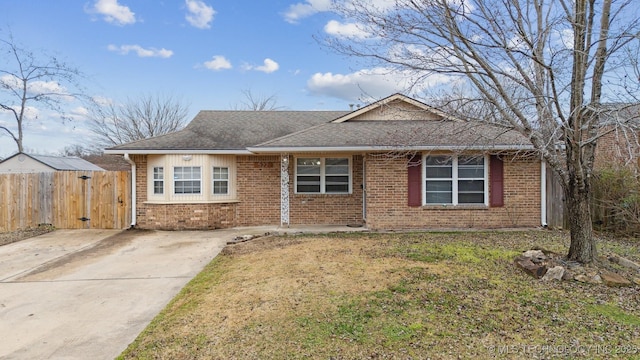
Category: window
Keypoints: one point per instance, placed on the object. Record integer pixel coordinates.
(323, 175)
(158, 180)
(186, 179)
(220, 180)
(455, 180)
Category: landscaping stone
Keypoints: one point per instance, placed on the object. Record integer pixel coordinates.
(536, 256)
(624, 262)
(568, 275)
(529, 267)
(614, 280)
(547, 266)
(555, 273)
(582, 278)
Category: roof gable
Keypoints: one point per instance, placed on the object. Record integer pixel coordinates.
(396, 107)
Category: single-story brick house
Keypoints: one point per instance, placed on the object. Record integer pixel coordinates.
(395, 164)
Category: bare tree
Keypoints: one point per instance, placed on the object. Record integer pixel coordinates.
(540, 65)
(256, 102)
(80, 151)
(30, 81)
(136, 119)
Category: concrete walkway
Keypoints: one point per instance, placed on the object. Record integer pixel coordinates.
(87, 294)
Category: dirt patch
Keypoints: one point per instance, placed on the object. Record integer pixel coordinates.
(69, 262)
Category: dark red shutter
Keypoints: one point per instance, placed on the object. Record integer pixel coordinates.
(496, 182)
(414, 171)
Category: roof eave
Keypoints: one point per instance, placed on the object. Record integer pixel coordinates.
(178, 151)
(292, 149)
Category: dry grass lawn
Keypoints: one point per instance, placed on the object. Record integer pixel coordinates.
(392, 296)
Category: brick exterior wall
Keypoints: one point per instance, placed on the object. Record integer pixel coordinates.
(258, 190)
(618, 149)
(387, 200)
(328, 209)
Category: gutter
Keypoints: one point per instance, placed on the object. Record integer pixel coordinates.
(543, 193)
(267, 150)
(170, 151)
(133, 189)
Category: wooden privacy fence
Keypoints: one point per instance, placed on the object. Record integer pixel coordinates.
(556, 208)
(66, 200)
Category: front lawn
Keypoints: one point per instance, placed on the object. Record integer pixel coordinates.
(393, 296)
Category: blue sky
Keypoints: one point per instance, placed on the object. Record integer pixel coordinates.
(203, 52)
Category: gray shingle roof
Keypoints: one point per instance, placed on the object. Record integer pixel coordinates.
(232, 130)
(406, 133)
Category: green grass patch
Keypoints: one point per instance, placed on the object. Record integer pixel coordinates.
(417, 295)
(615, 313)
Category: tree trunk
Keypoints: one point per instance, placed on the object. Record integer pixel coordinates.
(583, 246)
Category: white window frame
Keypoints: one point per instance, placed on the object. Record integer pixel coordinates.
(323, 175)
(454, 180)
(214, 181)
(199, 179)
(158, 180)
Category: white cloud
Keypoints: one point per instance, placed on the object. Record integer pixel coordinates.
(566, 38)
(369, 84)
(140, 51)
(267, 67)
(33, 87)
(101, 100)
(114, 12)
(50, 87)
(302, 10)
(218, 62)
(200, 14)
(346, 30)
(9, 81)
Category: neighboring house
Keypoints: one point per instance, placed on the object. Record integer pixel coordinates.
(109, 162)
(395, 164)
(619, 145)
(25, 163)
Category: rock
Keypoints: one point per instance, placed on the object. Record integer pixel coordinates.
(588, 279)
(528, 266)
(247, 237)
(624, 262)
(568, 275)
(614, 280)
(581, 278)
(536, 256)
(555, 273)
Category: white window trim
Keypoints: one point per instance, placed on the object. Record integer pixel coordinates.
(454, 180)
(323, 175)
(153, 182)
(173, 182)
(213, 180)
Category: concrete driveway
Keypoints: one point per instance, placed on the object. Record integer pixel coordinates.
(87, 294)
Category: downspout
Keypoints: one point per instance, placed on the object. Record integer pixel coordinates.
(133, 189)
(543, 193)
